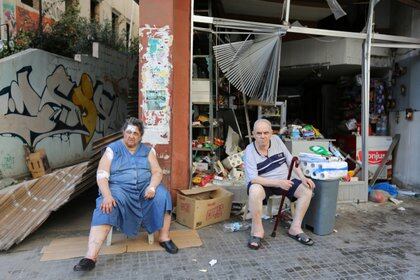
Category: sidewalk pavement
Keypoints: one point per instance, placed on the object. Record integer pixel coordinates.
(372, 242)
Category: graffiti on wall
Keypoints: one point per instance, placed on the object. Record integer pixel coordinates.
(9, 17)
(63, 107)
(155, 78)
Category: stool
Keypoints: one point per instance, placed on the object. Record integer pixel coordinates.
(150, 238)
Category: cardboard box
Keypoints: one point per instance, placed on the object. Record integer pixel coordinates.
(38, 164)
(200, 207)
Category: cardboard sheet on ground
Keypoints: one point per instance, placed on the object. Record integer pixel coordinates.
(67, 248)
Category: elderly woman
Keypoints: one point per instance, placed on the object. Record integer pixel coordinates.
(131, 194)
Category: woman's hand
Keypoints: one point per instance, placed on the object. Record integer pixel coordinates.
(107, 204)
(149, 193)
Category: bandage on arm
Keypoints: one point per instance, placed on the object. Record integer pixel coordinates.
(102, 174)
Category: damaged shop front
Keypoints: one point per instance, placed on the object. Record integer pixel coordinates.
(326, 91)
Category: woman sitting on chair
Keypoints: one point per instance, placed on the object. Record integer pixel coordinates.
(131, 194)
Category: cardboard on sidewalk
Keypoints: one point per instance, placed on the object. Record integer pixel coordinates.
(200, 207)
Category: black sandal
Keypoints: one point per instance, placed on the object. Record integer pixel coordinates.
(84, 264)
(256, 240)
(169, 246)
(302, 238)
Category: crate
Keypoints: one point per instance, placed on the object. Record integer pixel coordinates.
(352, 192)
(38, 164)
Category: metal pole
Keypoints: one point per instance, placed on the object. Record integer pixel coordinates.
(287, 12)
(367, 45)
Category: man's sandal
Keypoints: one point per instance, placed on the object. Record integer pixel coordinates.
(302, 238)
(84, 264)
(256, 240)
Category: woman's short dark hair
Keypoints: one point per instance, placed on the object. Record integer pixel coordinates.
(135, 122)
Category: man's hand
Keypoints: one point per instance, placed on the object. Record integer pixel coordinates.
(308, 183)
(286, 184)
(149, 193)
(107, 204)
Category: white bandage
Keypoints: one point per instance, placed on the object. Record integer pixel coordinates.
(102, 174)
(109, 154)
(131, 128)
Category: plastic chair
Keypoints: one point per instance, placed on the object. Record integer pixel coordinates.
(150, 238)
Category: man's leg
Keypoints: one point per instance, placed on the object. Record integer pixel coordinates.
(303, 195)
(97, 237)
(256, 197)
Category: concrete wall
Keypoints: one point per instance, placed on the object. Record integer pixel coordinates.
(406, 161)
(52, 102)
(335, 51)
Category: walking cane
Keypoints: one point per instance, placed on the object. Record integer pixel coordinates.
(295, 162)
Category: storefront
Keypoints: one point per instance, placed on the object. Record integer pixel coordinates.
(222, 110)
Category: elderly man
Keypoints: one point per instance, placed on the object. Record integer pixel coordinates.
(266, 170)
(131, 194)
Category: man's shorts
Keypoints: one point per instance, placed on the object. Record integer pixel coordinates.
(269, 191)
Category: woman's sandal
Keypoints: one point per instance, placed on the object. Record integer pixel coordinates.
(84, 264)
(256, 240)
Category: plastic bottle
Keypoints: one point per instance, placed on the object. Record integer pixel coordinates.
(236, 226)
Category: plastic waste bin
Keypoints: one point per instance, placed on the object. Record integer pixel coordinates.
(320, 216)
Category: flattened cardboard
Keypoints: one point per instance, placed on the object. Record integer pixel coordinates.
(200, 207)
(73, 247)
(182, 238)
(67, 248)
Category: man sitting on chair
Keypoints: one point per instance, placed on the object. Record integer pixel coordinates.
(131, 194)
(266, 162)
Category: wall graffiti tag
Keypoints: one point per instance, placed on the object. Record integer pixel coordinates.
(63, 107)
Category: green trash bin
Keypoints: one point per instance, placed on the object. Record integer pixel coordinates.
(320, 216)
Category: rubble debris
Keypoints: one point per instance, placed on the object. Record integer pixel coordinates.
(27, 205)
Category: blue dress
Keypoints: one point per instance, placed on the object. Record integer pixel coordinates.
(129, 177)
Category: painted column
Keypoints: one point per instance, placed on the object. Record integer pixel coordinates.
(164, 72)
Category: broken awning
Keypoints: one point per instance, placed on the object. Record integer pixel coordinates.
(25, 206)
(252, 65)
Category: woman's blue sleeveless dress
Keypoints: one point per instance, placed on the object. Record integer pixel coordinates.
(129, 177)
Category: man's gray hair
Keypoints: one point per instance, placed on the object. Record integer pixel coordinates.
(262, 121)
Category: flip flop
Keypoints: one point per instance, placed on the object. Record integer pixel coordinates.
(254, 239)
(302, 238)
(169, 246)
